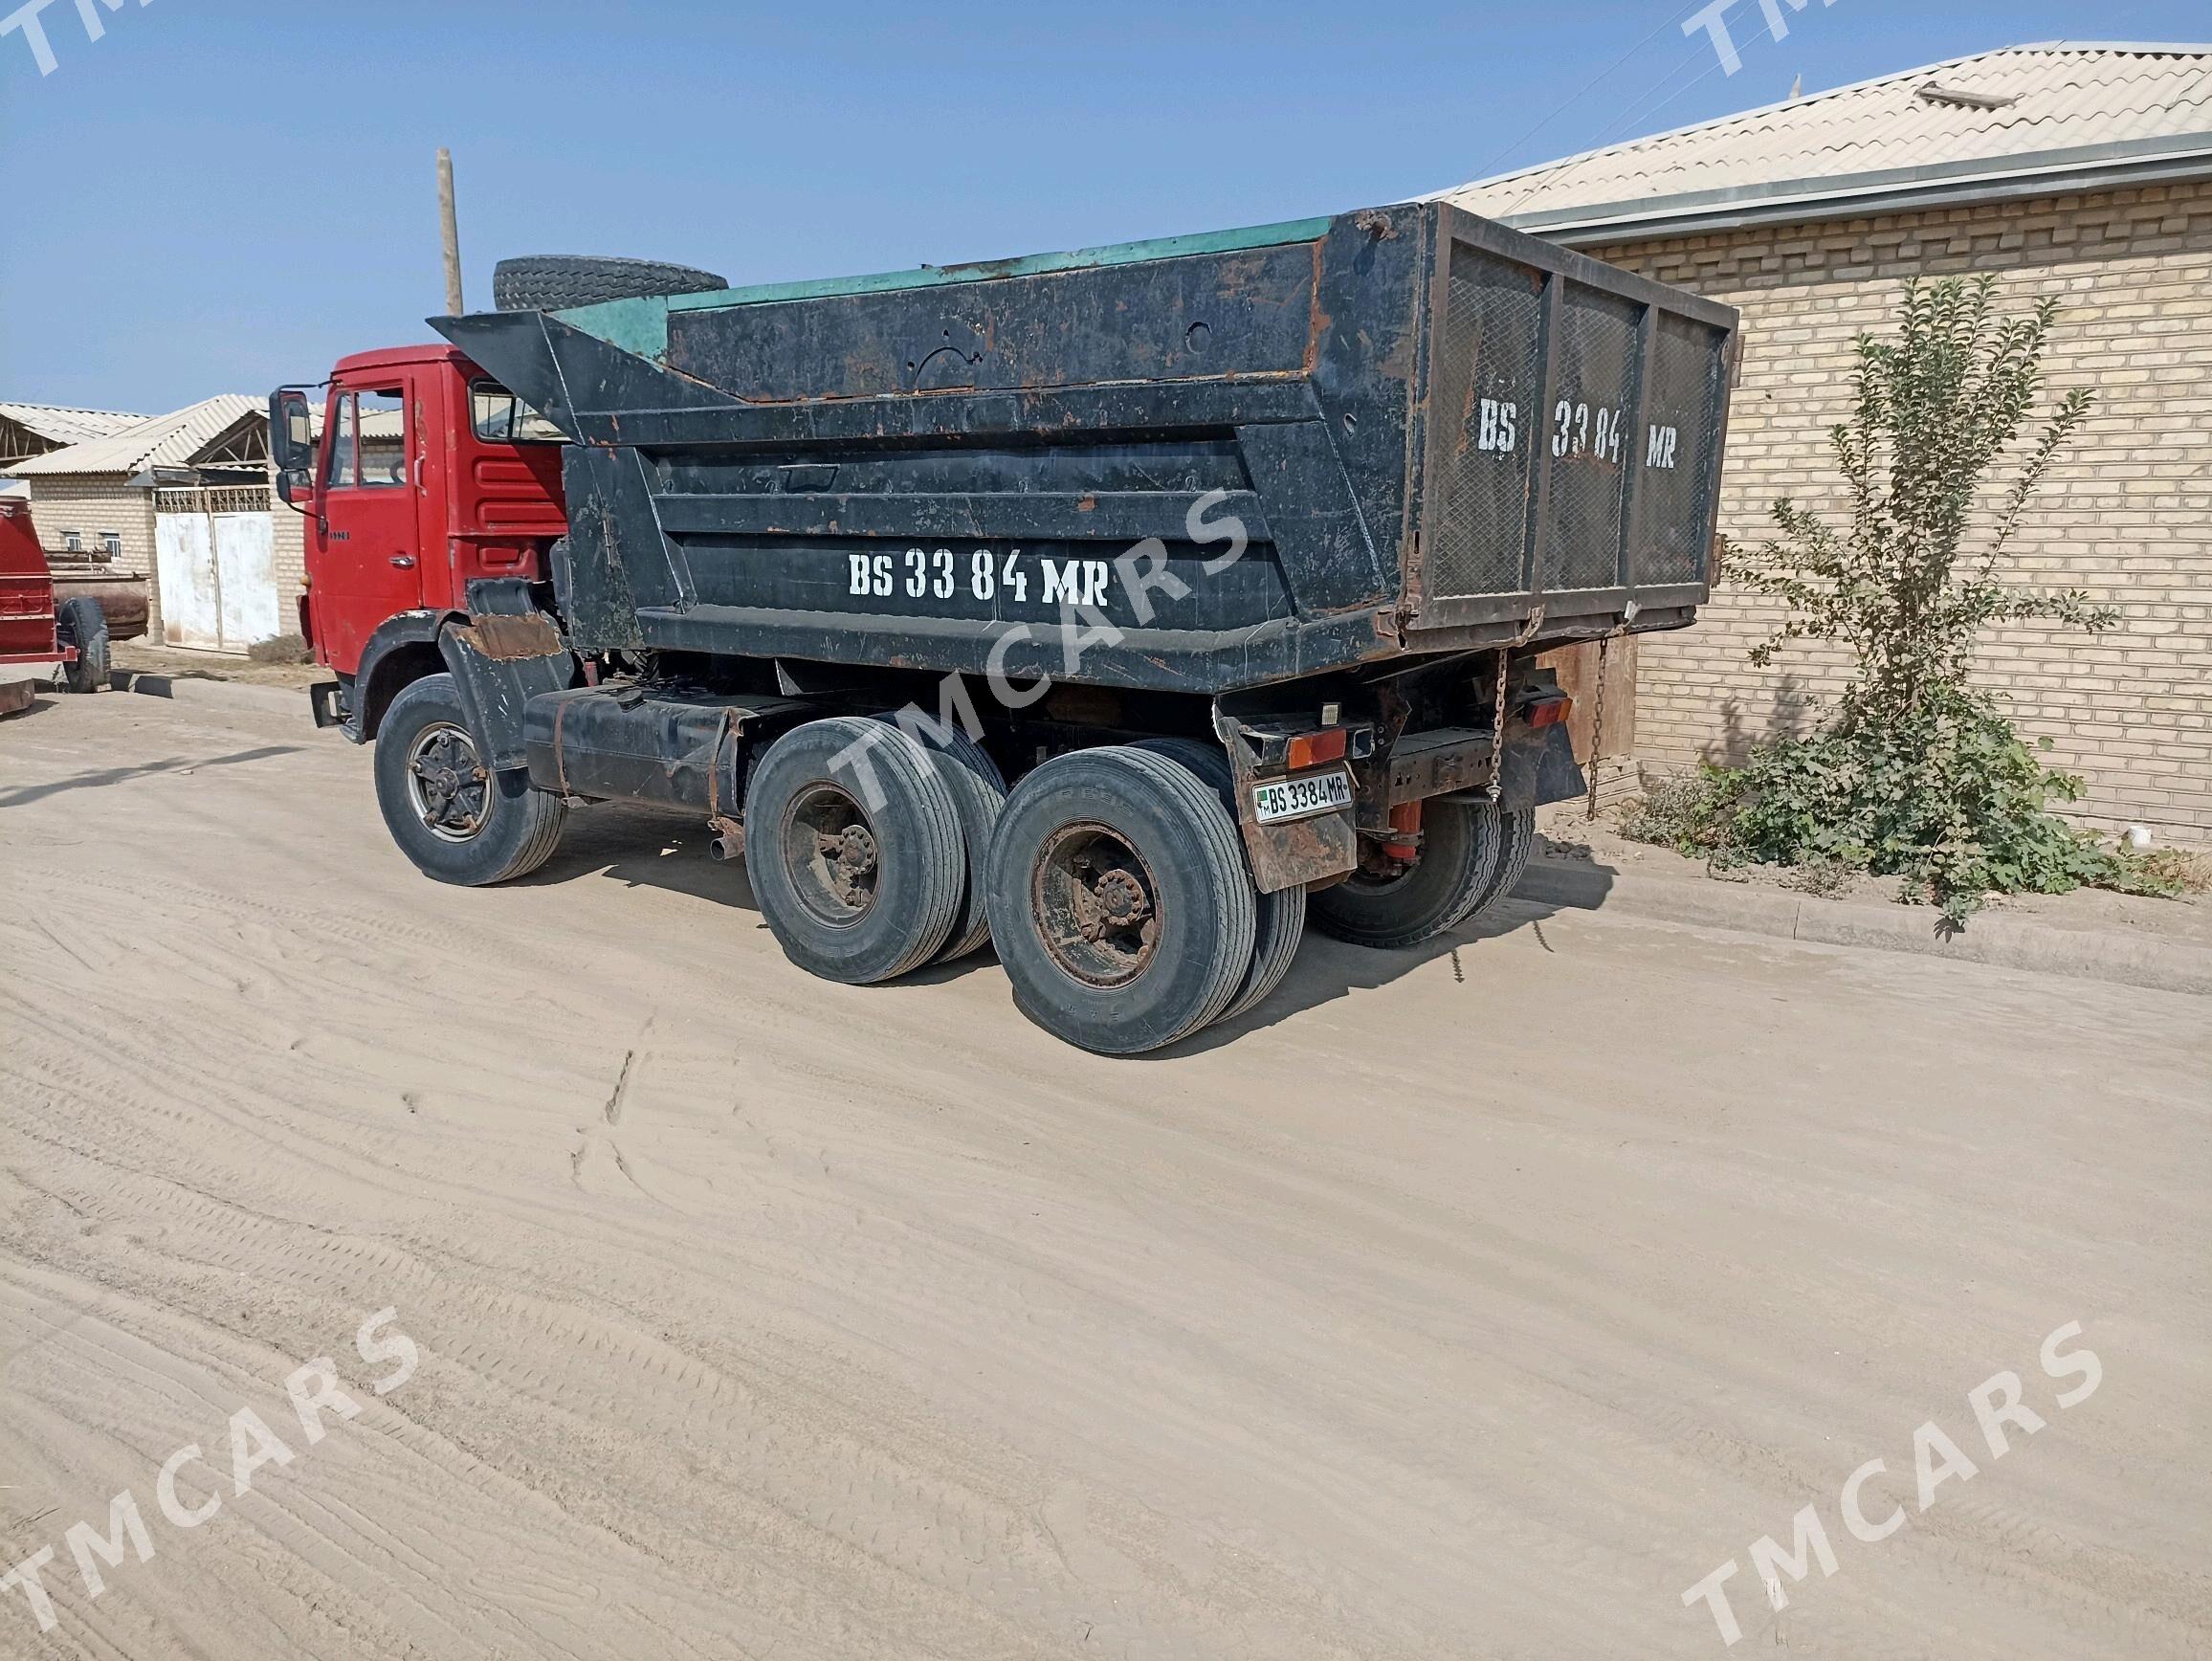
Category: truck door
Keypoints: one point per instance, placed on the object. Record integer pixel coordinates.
(369, 563)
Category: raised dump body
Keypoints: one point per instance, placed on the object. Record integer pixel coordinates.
(1435, 433)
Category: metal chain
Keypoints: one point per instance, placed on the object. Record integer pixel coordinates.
(1597, 716)
(1496, 785)
(1597, 725)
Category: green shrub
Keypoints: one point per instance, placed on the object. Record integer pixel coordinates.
(1686, 812)
(1952, 801)
(1917, 773)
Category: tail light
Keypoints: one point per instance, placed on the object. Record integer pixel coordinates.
(1548, 711)
(1315, 750)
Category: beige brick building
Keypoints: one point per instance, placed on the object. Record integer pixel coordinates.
(2084, 173)
(195, 482)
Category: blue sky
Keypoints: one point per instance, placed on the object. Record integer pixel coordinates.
(219, 195)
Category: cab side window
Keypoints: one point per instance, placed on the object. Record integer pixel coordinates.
(502, 418)
(382, 438)
(341, 469)
(366, 447)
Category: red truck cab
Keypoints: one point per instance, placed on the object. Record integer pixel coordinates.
(422, 476)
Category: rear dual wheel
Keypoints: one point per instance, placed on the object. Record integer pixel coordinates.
(855, 844)
(1278, 918)
(1119, 900)
(1471, 854)
(1113, 879)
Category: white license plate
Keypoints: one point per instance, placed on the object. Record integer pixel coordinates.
(1301, 798)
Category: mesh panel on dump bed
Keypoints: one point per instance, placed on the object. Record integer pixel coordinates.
(1682, 415)
(1487, 380)
(1581, 536)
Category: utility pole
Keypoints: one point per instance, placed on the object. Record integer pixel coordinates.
(451, 225)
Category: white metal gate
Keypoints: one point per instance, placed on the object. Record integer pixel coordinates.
(215, 552)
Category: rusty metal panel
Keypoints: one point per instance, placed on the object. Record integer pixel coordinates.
(1485, 378)
(909, 474)
(1682, 433)
(506, 639)
(1591, 455)
(1577, 669)
(1435, 762)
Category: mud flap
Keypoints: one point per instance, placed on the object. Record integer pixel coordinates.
(506, 654)
(1539, 769)
(1286, 853)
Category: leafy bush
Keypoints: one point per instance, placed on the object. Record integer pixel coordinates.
(1686, 812)
(1950, 800)
(1917, 773)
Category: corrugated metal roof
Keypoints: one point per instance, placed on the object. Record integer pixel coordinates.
(170, 440)
(59, 424)
(2049, 106)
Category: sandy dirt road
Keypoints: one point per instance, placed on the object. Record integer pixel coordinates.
(1464, 1304)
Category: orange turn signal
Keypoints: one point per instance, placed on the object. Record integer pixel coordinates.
(1550, 712)
(1312, 749)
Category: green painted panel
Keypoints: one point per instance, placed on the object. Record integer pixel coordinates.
(641, 325)
(634, 326)
(1030, 265)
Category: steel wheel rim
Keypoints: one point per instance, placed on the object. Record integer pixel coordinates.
(1096, 906)
(831, 856)
(447, 784)
(1363, 881)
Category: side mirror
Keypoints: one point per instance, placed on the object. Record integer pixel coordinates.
(290, 441)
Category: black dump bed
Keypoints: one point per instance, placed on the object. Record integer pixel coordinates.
(1431, 429)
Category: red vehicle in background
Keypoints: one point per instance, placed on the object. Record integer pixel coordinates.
(35, 634)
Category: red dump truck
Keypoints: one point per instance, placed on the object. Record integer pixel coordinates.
(1128, 609)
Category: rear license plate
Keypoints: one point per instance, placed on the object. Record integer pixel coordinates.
(1301, 798)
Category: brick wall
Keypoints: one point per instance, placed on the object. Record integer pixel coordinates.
(91, 506)
(2127, 514)
(289, 557)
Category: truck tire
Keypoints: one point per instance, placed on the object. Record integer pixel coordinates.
(853, 841)
(1516, 830)
(1278, 918)
(979, 793)
(457, 822)
(1458, 858)
(558, 281)
(1134, 848)
(79, 622)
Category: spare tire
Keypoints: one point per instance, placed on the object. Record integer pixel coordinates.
(557, 281)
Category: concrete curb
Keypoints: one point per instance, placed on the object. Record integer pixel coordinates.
(2003, 942)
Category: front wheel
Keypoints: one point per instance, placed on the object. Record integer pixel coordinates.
(450, 814)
